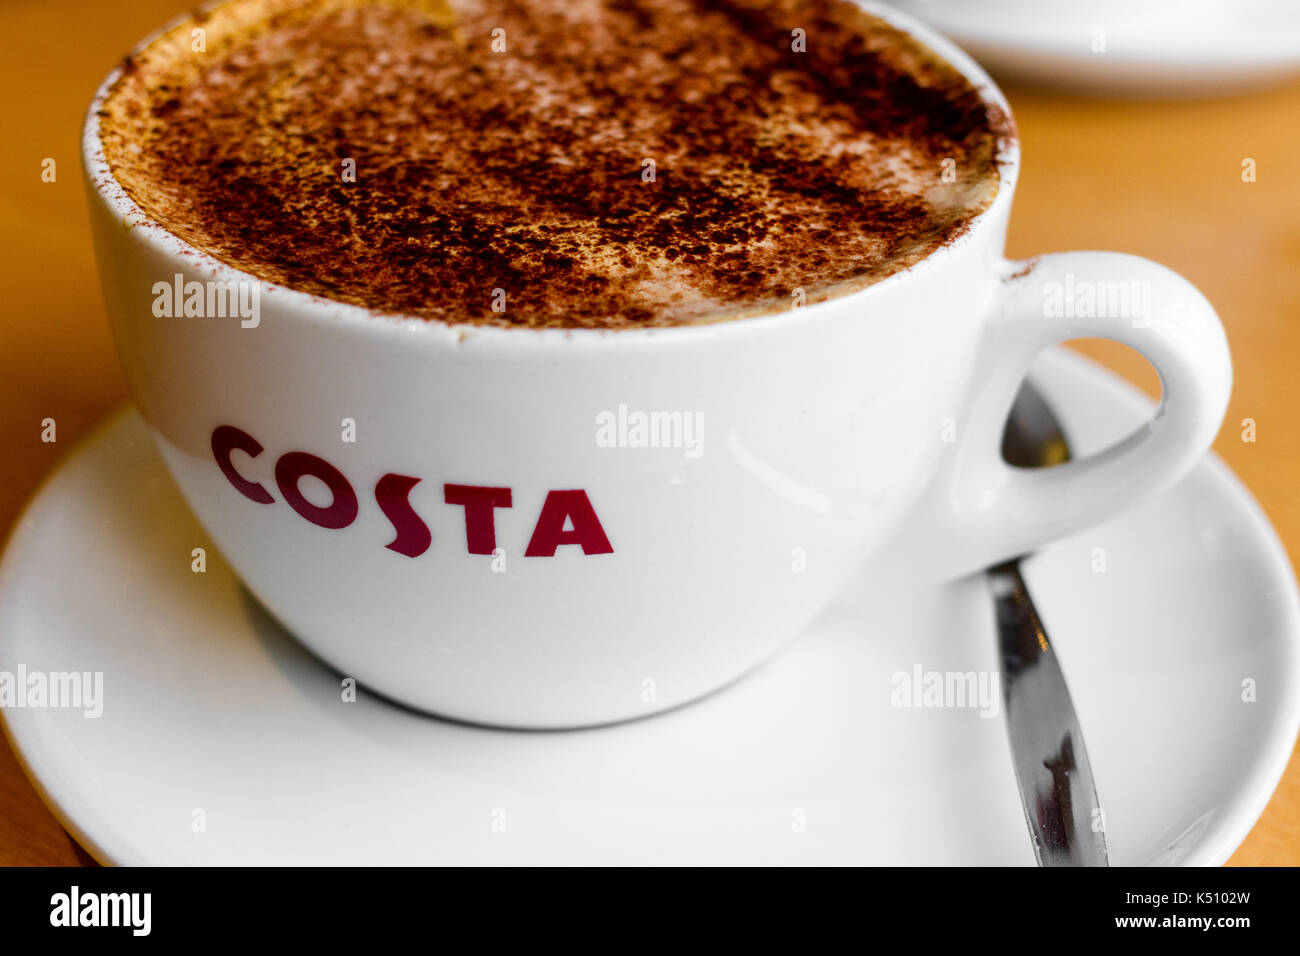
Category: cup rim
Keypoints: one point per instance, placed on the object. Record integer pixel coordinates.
(320, 308)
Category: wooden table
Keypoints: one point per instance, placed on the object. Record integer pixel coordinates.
(1160, 180)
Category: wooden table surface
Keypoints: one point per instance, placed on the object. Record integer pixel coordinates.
(1162, 180)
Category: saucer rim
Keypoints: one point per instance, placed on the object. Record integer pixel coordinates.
(1157, 69)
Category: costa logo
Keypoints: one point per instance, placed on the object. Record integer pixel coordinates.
(567, 516)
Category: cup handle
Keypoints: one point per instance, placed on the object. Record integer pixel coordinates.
(978, 510)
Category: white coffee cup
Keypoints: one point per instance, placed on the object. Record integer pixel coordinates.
(807, 440)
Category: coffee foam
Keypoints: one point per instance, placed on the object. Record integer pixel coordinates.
(524, 170)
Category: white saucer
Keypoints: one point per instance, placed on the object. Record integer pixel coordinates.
(1152, 47)
(209, 705)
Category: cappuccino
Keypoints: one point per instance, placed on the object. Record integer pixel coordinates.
(551, 163)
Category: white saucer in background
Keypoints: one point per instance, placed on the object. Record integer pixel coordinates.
(1152, 47)
(212, 713)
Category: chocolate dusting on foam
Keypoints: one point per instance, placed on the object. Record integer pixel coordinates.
(524, 170)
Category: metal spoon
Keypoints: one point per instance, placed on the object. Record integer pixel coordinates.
(1057, 789)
